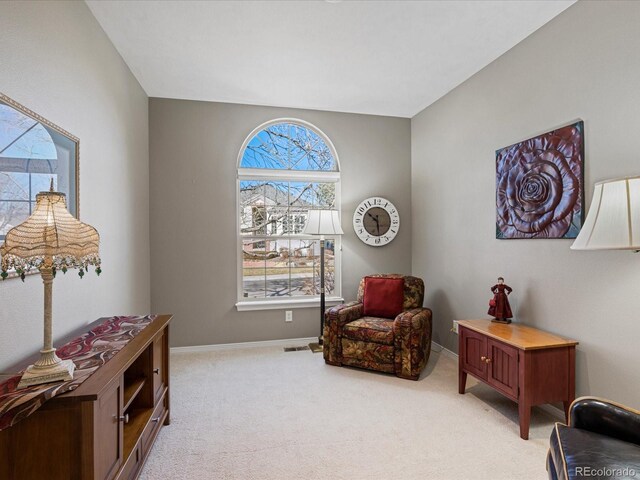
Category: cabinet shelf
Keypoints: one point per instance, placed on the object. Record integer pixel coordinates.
(138, 419)
(131, 391)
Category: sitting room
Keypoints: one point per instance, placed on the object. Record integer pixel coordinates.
(319, 239)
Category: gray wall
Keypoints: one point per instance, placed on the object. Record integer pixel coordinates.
(56, 60)
(583, 64)
(193, 150)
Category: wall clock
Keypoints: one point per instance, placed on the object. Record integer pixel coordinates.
(376, 221)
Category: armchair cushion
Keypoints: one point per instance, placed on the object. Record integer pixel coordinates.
(370, 329)
(383, 297)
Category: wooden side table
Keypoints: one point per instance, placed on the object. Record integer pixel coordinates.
(525, 364)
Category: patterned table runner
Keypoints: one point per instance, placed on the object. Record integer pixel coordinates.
(89, 352)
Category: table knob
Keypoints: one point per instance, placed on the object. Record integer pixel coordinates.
(123, 418)
(156, 371)
(483, 358)
(488, 360)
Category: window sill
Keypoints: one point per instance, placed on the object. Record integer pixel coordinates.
(248, 305)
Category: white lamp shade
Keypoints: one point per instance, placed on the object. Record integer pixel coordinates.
(613, 221)
(323, 222)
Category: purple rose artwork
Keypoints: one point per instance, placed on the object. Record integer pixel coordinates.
(540, 184)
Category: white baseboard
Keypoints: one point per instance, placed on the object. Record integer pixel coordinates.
(289, 342)
(440, 349)
(555, 412)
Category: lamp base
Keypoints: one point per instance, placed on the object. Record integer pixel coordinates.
(58, 372)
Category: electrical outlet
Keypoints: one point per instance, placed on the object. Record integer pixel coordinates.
(454, 329)
(288, 316)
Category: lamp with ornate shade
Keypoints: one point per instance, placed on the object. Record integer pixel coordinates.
(50, 240)
(613, 221)
(323, 223)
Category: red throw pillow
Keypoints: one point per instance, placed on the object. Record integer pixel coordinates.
(383, 297)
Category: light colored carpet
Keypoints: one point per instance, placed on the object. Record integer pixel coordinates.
(261, 413)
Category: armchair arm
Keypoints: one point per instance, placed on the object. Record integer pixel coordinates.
(334, 319)
(412, 339)
(344, 313)
(606, 418)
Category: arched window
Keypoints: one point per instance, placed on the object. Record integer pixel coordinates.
(285, 168)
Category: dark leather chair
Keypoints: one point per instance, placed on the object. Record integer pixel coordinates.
(399, 345)
(601, 441)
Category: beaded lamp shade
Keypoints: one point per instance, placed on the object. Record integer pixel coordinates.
(50, 238)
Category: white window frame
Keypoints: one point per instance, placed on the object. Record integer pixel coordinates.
(307, 301)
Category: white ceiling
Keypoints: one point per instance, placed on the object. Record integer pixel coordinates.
(377, 57)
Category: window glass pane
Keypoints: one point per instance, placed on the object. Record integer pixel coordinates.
(261, 152)
(252, 211)
(324, 195)
(275, 219)
(304, 274)
(282, 267)
(295, 221)
(330, 266)
(277, 268)
(288, 146)
(277, 193)
(312, 194)
(301, 194)
(253, 268)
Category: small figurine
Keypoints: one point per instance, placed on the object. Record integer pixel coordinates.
(499, 306)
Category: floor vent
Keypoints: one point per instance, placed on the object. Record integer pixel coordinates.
(295, 349)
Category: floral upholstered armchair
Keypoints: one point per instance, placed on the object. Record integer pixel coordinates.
(386, 329)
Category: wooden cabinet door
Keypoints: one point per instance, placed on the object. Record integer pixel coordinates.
(108, 432)
(473, 351)
(159, 370)
(502, 371)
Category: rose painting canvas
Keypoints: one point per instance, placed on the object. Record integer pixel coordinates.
(540, 185)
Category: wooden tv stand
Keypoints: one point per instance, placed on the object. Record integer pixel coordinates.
(105, 428)
(527, 365)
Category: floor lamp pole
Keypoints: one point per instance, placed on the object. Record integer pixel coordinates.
(317, 347)
(322, 306)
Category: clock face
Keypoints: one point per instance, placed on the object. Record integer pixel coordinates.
(376, 221)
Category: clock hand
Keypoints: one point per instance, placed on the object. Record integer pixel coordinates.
(375, 218)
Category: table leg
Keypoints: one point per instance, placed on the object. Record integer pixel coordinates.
(524, 412)
(572, 383)
(462, 381)
(567, 404)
